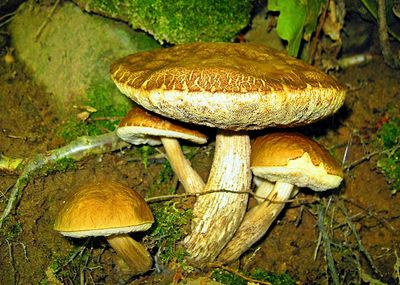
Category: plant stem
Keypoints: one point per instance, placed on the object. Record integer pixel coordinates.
(327, 245)
(45, 162)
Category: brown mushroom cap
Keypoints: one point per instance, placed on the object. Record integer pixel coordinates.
(140, 126)
(229, 86)
(103, 208)
(295, 159)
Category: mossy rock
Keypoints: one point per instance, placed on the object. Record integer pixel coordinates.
(178, 21)
(72, 53)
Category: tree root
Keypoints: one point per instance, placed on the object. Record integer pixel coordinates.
(43, 163)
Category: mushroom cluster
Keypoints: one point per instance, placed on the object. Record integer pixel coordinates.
(288, 160)
(234, 88)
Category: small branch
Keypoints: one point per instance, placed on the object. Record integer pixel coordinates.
(233, 271)
(373, 12)
(187, 195)
(370, 155)
(361, 160)
(311, 52)
(43, 163)
(358, 239)
(380, 220)
(387, 53)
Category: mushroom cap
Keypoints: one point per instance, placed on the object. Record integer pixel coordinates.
(296, 159)
(228, 86)
(140, 126)
(103, 208)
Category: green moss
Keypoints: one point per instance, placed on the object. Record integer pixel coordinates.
(179, 21)
(64, 164)
(145, 151)
(169, 228)
(106, 117)
(229, 278)
(68, 267)
(165, 176)
(274, 278)
(389, 157)
(11, 231)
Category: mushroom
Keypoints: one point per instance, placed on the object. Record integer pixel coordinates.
(290, 160)
(140, 127)
(235, 88)
(110, 209)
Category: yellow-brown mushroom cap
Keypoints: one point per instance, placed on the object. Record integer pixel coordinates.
(229, 86)
(296, 159)
(103, 208)
(140, 126)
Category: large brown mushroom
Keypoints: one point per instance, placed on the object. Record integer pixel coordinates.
(235, 88)
(289, 160)
(140, 126)
(110, 209)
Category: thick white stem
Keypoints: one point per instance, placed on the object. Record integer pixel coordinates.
(218, 215)
(256, 223)
(190, 179)
(133, 253)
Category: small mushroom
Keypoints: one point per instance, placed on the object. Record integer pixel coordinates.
(110, 209)
(290, 160)
(235, 88)
(142, 127)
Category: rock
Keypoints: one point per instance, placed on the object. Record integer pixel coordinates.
(74, 50)
(178, 21)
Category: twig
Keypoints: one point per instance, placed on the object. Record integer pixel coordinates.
(372, 11)
(10, 252)
(105, 119)
(43, 163)
(162, 198)
(380, 220)
(388, 56)
(53, 9)
(6, 22)
(358, 239)
(361, 160)
(317, 246)
(233, 271)
(7, 15)
(311, 53)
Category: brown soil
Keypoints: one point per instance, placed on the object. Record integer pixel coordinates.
(29, 245)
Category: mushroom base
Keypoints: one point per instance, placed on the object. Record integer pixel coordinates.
(218, 215)
(257, 222)
(133, 253)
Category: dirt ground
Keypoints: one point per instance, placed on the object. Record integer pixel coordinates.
(362, 220)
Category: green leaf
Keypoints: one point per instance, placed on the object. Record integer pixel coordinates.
(297, 19)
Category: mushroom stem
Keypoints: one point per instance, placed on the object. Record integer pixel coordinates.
(256, 222)
(264, 189)
(190, 179)
(218, 215)
(132, 252)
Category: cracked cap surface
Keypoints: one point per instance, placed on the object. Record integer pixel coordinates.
(227, 85)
